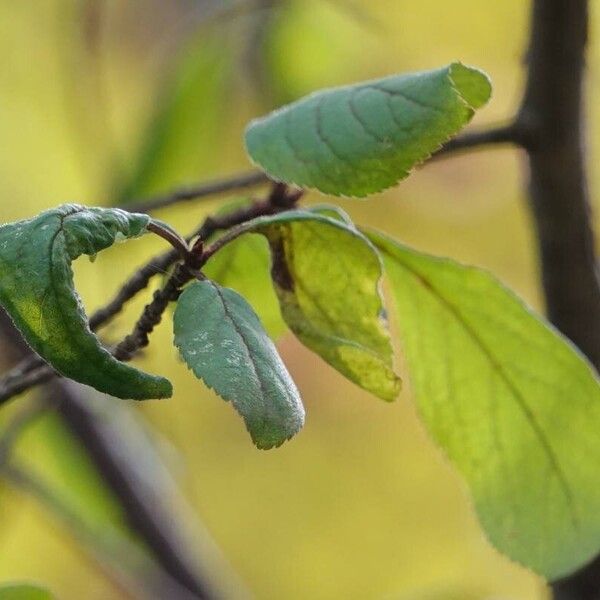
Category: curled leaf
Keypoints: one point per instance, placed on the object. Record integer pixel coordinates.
(37, 291)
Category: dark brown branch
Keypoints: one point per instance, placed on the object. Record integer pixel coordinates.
(171, 236)
(279, 199)
(115, 466)
(552, 111)
(144, 506)
(152, 314)
(212, 188)
(552, 115)
(13, 386)
(511, 134)
(34, 371)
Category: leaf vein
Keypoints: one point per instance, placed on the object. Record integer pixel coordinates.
(515, 392)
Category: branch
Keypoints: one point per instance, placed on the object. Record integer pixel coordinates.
(34, 371)
(472, 140)
(506, 134)
(212, 188)
(146, 500)
(145, 505)
(552, 112)
(552, 109)
(280, 199)
(123, 562)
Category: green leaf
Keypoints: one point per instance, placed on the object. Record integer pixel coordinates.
(512, 403)
(243, 266)
(361, 139)
(37, 291)
(223, 342)
(23, 591)
(327, 275)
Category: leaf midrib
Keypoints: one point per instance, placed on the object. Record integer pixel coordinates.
(515, 392)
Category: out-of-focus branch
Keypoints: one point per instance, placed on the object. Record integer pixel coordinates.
(144, 502)
(123, 562)
(203, 190)
(146, 512)
(511, 134)
(552, 110)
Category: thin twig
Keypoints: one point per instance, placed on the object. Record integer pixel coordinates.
(280, 199)
(505, 134)
(212, 188)
(33, 372)
(170, 235)
(231, 235)
(152, 314)
(17, 378)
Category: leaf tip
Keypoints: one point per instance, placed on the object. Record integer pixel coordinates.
(472, 84)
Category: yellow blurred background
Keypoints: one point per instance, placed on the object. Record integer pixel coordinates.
(104, 100)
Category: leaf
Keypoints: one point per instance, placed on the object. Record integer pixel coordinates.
(327, 277)
(243, 266)
(223, 342)
(23, 591)
(360, 139)
(511, 402)
(37, 291)
(333, 212)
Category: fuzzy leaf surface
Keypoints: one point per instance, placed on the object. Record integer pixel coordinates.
(360, 139)
(223, 342)
(512, 403)
(37, 291)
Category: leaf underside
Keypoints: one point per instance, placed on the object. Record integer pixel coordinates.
(223, 342)
(364, 138)
(512, 403)
(327, 275)
(37, 291)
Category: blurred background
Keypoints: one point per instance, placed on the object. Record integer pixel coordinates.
(105, 101)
